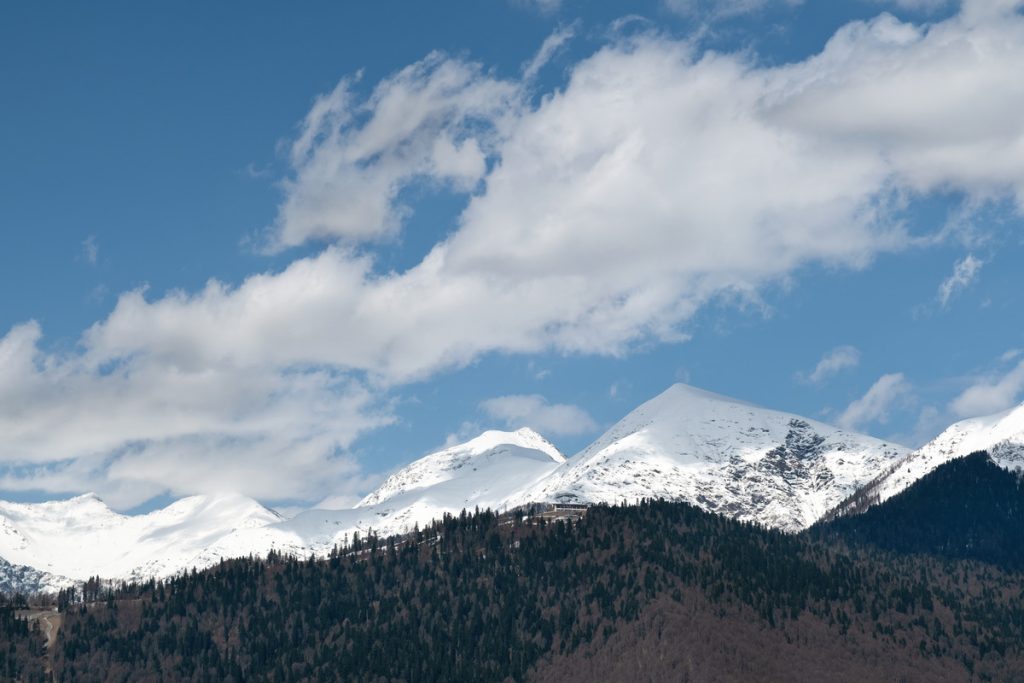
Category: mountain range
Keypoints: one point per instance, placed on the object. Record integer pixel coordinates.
(724, 455)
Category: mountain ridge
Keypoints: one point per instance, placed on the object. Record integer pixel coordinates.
(687, 444)
(724, 455)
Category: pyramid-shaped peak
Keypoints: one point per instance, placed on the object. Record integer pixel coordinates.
(689, 393)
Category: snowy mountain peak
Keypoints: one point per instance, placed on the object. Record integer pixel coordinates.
(82, 537)
(1001, 434)
(87, 506)
(456, 461)
(494, 438)
(680, 392)
(230, 509)
(725, 455)
(85, 498)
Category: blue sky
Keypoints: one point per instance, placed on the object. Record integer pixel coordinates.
(249, 247)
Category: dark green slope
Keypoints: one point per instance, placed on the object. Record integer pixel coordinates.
(657, 591)
(968, 508)
(21, 646)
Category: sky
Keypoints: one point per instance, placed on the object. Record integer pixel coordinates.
(285, 251)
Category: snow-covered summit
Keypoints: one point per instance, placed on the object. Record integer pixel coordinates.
(725, 455)
(451, 463)
(1001, 434)
(82, 537)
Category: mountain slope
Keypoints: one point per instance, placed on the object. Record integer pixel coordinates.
(1000, 435)
(491, 450)
(82, 537)
(966, 508)
(21, 579)
(724, 455)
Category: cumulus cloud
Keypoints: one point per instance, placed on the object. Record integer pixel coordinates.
(833, 362)
(965, 271)
(534, 411)
(990, 394)
(600, 215)
(876, 404)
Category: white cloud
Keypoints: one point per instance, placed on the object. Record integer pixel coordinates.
(137, 427)
(965, 271)
(833, 362)
(429, 122)
(918, 5)
(723, 9)
(548, 48)
(1010, 355)
(990, 394)
(642, 205)
(535, 412)
(600, 215)
(933, 100)
(876, 404)
(466, 431)
(90, 250)
(542, 6)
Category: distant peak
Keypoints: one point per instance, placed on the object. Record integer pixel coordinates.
(524, 437)
(86, 497)
(218, 499)
(85, 504)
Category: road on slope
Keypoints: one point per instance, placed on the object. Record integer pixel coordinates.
(50, 621)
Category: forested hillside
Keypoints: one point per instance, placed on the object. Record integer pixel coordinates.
(657, 591)
(21, 646)
(968, 508)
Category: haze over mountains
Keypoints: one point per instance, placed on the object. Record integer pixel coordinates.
(723, 455)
